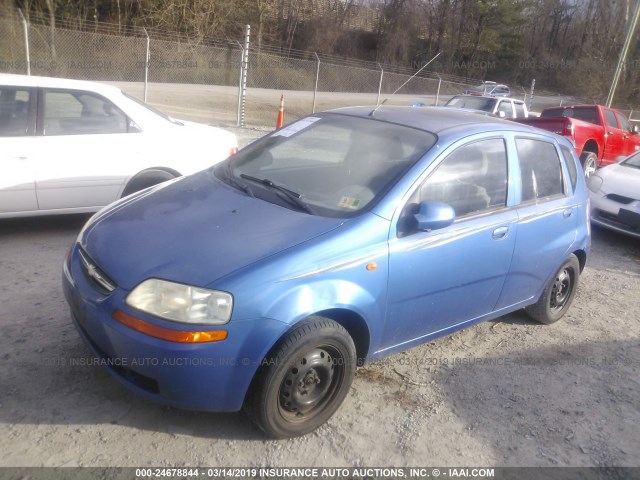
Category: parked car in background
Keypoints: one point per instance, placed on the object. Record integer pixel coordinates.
(491, 89)
(68, 146)
(615, 196)
(599, 134)
(502, 107)
(343, 237)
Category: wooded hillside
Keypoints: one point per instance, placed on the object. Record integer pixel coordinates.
(571, 46)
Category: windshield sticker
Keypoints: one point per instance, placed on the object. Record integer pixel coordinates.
(295, 127)
(349, 202)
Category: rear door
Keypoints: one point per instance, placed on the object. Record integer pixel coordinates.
(547, 219)
(614, 143)
(17, 130)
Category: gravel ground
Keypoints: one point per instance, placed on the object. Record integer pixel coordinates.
(504, 393)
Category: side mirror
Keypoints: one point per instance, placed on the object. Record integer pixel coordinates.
(434, 216)
(635, 129)
(501, 114)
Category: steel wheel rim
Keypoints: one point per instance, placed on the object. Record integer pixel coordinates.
(310, 383)
(560, 290)
(589, 168)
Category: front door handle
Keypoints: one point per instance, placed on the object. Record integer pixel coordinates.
(500, 232)
(567, 213)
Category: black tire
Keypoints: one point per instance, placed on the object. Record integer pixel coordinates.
(147, 179)
(589, 162)
(558, 294)
(303, 380)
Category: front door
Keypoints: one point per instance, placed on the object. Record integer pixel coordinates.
(446, 277)
(84, 153)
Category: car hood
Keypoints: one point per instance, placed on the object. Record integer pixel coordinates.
(620, 180)
(194, 231)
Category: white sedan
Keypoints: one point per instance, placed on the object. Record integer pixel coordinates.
(615, 196)
(69, 146)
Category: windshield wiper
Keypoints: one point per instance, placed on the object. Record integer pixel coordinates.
(240, 186)
(294, 197)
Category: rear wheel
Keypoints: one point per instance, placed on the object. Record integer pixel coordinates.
(558, 294)
(589, 162)
(304, 380)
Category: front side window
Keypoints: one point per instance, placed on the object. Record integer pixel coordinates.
(472, 179)
(624, 124)
(330, 165)
(80, 113)
(14, 112)
(540, 170)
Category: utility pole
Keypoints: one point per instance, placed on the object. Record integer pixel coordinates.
(623, 55)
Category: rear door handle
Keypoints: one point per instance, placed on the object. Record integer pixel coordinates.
(567, 213)
(500, 232)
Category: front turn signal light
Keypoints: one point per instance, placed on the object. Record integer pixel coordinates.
(178, 336)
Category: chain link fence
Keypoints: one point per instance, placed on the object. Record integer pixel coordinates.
(202, 82)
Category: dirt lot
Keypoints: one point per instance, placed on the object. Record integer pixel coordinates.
(504, 393)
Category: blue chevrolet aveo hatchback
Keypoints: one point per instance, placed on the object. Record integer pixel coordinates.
(344, 237)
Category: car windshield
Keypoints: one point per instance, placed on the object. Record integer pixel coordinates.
(153, 110)
(330, 165)
(633, 161)
(474, 103)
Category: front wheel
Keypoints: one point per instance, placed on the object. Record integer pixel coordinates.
(558, 294)
(304, 380)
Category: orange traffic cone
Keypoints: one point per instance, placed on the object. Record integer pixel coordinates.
(280, 119)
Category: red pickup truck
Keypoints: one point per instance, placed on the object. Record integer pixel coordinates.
(599, 134)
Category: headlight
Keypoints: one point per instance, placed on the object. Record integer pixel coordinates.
(594, 183)
(181, 303)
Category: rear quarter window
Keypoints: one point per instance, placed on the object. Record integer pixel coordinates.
(571, 166)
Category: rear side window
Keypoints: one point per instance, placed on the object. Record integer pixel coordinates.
(586, 114)
(14, 112)
(610, 117)
(571, 166)
(505, 106)
(78, 113)
(540, 169)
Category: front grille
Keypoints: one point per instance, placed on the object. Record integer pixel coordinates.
(620, 199)
(95, 274)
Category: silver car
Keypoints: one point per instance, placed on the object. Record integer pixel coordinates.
(615, 196)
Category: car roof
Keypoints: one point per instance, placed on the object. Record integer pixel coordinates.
(52, 82)
(438, 120)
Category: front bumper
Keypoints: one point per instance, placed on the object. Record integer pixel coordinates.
(614, 215)
(207, 376)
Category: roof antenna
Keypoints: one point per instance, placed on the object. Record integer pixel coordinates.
(372, 112)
